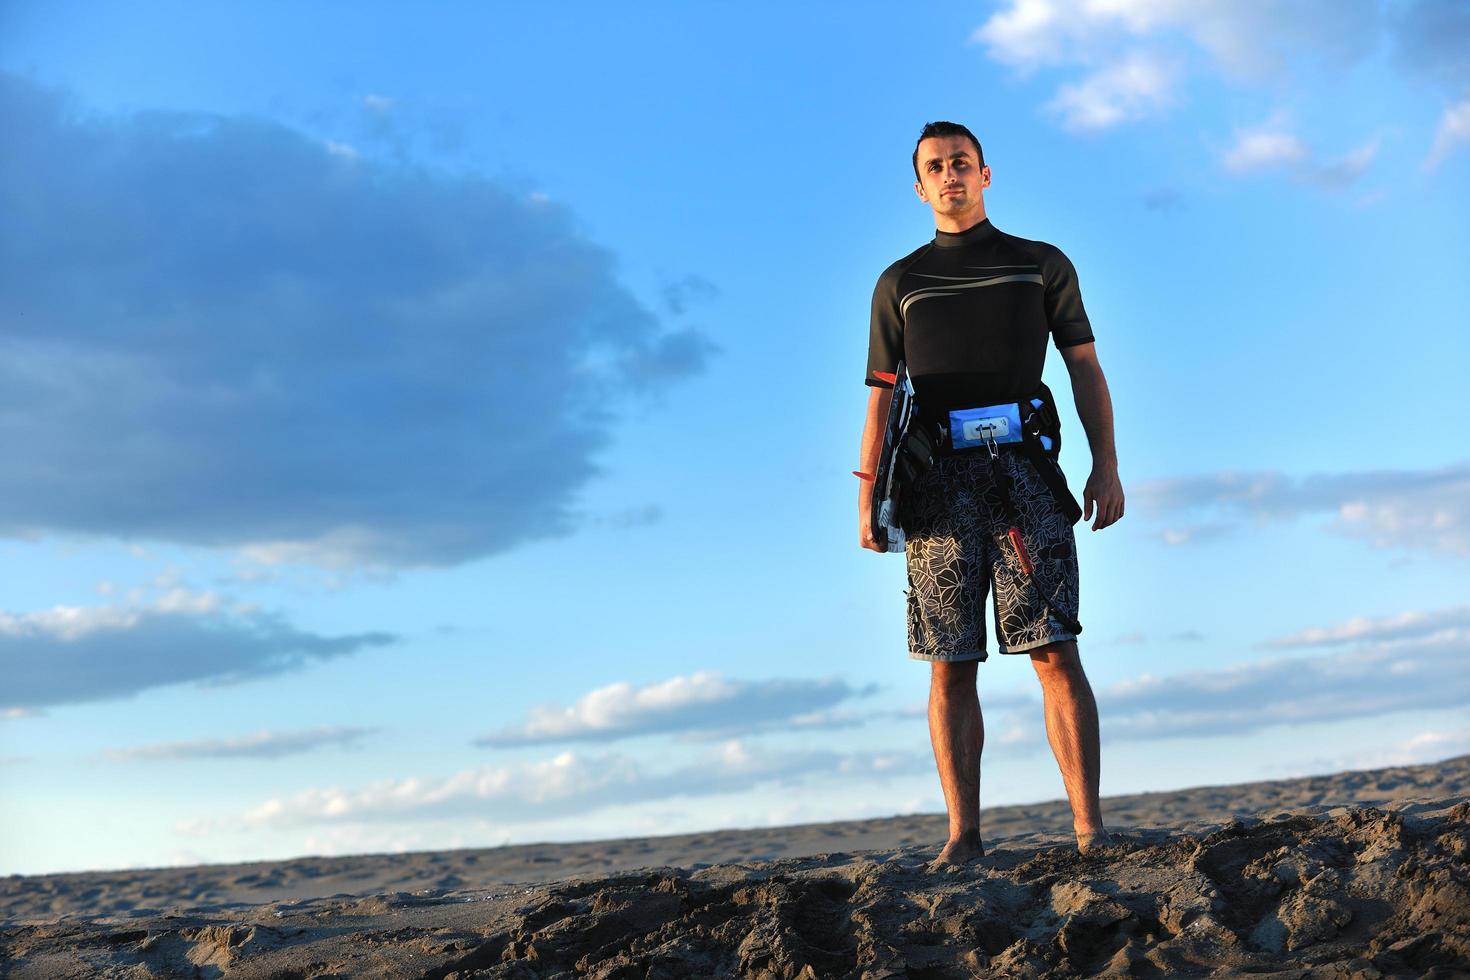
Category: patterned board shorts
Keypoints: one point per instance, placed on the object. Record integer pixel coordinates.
(956, 549)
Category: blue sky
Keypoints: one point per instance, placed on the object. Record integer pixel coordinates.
(431, 426)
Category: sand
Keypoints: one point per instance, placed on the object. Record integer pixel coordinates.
(1356, 874)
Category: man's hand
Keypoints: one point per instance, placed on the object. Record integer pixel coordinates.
(1103, 489)
(865, 533)
(865, 523)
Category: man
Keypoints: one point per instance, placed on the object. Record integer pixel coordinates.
(970, 314)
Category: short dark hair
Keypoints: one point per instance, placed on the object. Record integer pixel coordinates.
(942, 128)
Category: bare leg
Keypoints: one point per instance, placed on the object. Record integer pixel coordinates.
(958, 733)
(1071, 727)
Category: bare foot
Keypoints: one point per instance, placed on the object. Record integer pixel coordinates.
(959, 851)
(1096, 838)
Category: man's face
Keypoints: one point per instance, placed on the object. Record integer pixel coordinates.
(951, 181)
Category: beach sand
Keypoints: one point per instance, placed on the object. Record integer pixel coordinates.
(1355, 874)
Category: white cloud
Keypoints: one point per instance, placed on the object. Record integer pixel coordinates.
(1418, 509)
(1429, 746)
(570, 783)
(1026, 35)
(1361, 628)
(1134, 88)
(341, 547)
(1454, 129)
(1416, 661)
(72, 654)
(1245, 39)
(1256, 149)
(68, 623)
(344, 151)
(1242, 41)
(829, 718)
(1272, 146)
(1434, 517)
(182, 600)
(257, 745)
(700, 703)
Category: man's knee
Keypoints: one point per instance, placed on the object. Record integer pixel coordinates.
(953, 677)
(1059, 661)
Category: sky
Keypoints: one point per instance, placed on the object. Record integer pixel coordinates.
(432, 425)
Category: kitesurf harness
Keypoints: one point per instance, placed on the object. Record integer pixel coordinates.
(1030, 426)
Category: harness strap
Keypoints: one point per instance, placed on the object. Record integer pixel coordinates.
(1002, 481)
(1051, 475)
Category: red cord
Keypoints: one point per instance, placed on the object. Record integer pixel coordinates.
(1020, 547)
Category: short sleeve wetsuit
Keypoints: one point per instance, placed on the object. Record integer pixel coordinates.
(970, 314)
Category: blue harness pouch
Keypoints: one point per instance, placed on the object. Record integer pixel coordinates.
(971, 428)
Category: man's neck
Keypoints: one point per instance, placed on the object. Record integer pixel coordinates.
(960, 223)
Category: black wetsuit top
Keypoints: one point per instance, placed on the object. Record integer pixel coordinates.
(970, 314)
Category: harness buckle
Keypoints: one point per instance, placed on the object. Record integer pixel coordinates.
(987, 436)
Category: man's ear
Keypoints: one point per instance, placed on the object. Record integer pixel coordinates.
(919, 190)
(984, 176)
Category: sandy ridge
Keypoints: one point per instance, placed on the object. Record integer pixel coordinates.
(1295, 889)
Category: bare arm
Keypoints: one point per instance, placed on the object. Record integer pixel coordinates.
(1095, 409)
(872, 445)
